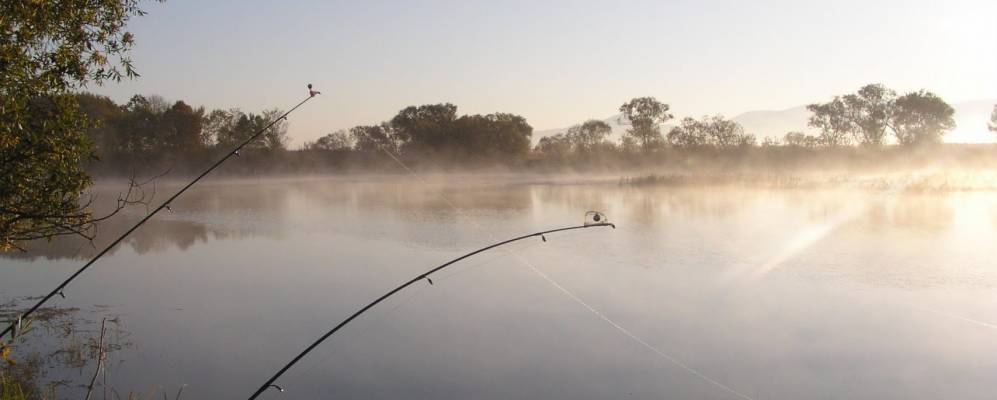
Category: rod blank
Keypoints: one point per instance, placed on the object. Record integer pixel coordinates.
(165, 204)
(270, 382)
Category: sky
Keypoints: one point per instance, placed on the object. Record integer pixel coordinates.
(557, 63)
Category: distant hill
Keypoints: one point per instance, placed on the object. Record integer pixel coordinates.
(971, 118)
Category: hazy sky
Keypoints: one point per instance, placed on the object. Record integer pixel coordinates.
(556, 63)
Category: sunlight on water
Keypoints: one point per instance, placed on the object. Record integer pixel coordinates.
(773, 293)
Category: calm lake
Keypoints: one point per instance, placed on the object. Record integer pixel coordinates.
(701, 292)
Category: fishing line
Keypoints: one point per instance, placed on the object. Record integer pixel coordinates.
(375, 322)
(401, 302)
(165, 205)
(585, 305)
(424, 276)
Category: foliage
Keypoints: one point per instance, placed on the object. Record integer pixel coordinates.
(800, 139)
(645, 115)
(335, 141)
(869, 111)
(435, 130)
(715, 131)
(374, 138)
(425, 128)
(915, 118)
(48, 49)
(921, 118)
(585, 139)
(589, 136)
(831, 118)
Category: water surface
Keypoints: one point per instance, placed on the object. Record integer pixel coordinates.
(777, 294)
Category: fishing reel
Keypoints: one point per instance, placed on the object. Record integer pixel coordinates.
(596, 218)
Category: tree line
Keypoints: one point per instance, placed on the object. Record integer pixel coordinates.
(151, 131)
(432, 132)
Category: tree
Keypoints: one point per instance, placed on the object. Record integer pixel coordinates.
(921, 118)
(335, 141)
(47, 50)
(726, 133)
(104, 113)
(501, 135)
(869, 112)
(590, 135)
(275, 137)
(799, 139)
(425, 127)
(689, 134)
(374, 138)
(645, 115)
(710, 130)
(183, 126)
(218, 125)
(140, 129)
(555, 146)
(831, 118)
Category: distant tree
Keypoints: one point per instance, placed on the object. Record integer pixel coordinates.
(709, 131)
(832, 120)
(746, 140)
(645, 115)
(374, 138)
(218, 125)
(869, 111)
(628, 144)
(140, 129)
(921, 118)
(689, 134)
(335, 141)
(590, 135)
(770, 142)
(503, 135)
(275, 137)
(556, 146)
(183, 128)
(725, 133)
(425, 127)
(993, 120)
(799, 139)
(104, 114)
(233, 127)
(47, 50)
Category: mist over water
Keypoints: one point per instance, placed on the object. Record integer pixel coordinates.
(777, 293)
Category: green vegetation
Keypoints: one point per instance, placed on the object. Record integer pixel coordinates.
(47, 50)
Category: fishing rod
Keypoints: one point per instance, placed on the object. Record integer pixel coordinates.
(14, 325)
(593, 219)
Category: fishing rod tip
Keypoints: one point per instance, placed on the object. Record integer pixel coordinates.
(312, 92)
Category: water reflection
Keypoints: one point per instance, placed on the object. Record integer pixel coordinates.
(243, 274)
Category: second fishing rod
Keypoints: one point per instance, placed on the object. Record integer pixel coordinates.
(592, 220)
(12, 328)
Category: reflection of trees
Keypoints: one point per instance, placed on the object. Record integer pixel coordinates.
(215, 210)
(653, 203)
(910, 212)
